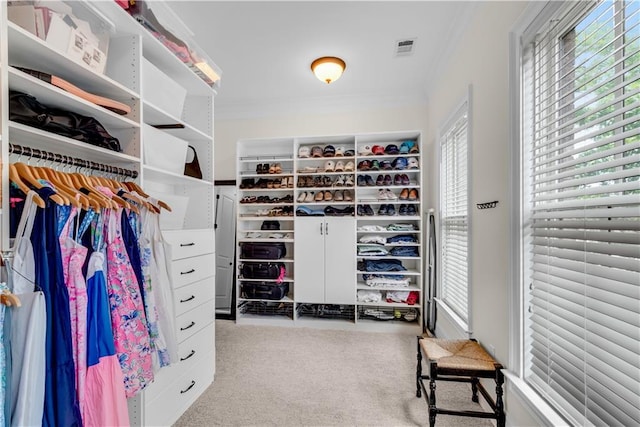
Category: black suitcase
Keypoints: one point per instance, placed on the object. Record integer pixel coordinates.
(264, 290)
(260, 250)
(263, 270)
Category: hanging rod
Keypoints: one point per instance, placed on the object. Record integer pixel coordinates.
(73, 161)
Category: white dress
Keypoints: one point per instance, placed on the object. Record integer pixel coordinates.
(28, 328)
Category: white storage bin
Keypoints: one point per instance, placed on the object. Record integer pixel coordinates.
(164, 151)
(158, 89)
(173, 220)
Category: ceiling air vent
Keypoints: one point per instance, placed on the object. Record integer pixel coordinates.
(405, 47)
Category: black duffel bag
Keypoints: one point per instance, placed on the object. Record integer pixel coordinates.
(27, 110)
(264, 290)
(263, 270)
(261, 250)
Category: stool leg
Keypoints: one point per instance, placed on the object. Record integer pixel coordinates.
(432, 394)
(500, 417)
(418, 371)
(474, 389)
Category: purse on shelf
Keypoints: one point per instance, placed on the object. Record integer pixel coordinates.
(192, 168)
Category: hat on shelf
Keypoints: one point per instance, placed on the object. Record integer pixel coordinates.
(329, 151)
(349, 153)
(304, 151)
(391, 149)
(339, 151)
(365, 150)
(316, 151)
(377, 149)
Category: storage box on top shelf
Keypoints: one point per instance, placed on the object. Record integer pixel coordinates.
(164, 151)
(161, 91)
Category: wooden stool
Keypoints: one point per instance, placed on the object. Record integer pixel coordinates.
(459, 361)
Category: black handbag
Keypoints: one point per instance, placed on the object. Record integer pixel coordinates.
(26, 109)
(192, 168)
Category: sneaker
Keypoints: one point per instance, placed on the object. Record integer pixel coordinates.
(382, 210)
(302, 197)
(403, 210)
(340, 181)
(309, 197)
(380, 181)
(387, 180)
(369, 181)
(348, 182)
(361, 181)
(405, 179)
(368, 211)
(411, 210)
(390, 195)
(397, 180)
(391, 210)
(360, 210)
(382, 194)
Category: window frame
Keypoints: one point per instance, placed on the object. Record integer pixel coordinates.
(463, 107)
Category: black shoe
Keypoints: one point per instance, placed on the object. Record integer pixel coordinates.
(361, 211)
(403, 210)
(361, 181)
(259, 169)
(391, 210)
(368, 211)
(382, 210)
(380, 181)
(411, 210)
(369, 181)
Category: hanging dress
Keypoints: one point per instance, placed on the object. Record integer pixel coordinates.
(28, 329)
(73, 257)
(127, 312)
(60, 401)
(105, 402)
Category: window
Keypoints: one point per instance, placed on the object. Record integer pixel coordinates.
(580, 198)
(454, 219)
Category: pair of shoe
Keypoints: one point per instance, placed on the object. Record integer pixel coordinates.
(386, 194)
(407, 210)
(365, 180)
(247, 183)
(386, 210)
(384, 180)
(342, 195)
(344, 181)
(265, 168)
(409, 194)
(401, 179)
(365, 210)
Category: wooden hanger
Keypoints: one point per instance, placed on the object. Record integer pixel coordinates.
(26, 173)
(14, 176)
(76, 198)
(135, 187)
(119, 200)
(93, 193)
(9, 299)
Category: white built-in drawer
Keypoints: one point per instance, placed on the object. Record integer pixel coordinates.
(189, 296)
(194, 320)
(193, 351)
(165, 408)
(188, 243)
(191, 270)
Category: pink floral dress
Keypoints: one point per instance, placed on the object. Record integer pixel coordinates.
(128, 319)
(73, 257)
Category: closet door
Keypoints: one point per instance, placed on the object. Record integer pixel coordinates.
(310, 259)
(340, 262)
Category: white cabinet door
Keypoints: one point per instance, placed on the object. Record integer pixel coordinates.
(309, 260)
(340, 260)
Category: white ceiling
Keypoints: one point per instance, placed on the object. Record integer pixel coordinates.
(265, 49)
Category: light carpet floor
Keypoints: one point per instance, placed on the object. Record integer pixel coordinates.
(278, 376)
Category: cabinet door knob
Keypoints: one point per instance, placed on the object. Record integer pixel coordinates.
(326, 228)
(321, 229)
(188, 356)
(188, 388)
(190, 325)
(187, 272)
(188, 299)
(182, 245)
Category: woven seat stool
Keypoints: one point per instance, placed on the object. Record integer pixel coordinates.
(459, 361)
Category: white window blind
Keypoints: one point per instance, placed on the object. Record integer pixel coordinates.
(454, 221)
(581, 241)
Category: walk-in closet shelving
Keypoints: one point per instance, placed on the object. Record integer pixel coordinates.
(323, 292)
(192, 239)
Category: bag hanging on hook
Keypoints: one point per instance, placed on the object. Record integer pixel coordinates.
(192, 168)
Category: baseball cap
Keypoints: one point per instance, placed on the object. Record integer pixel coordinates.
(304, 151)
(377, 149)
(365, 150)
(406, 146)
(350, 153)
(329, 151)
(413, 163)
(391, 149)
(339, 151)
(399, 163)
(316, 151)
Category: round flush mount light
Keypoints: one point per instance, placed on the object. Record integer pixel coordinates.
(328, 68)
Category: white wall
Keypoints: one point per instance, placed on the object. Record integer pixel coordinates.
(227, 132)
(481, 60)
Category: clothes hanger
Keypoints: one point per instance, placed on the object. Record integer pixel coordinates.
(76, 198)
(14, 176)
(135, 187)
(25, 172)
(113, 196)
(93, 193)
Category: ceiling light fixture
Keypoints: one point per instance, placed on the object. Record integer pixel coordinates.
(328, 68)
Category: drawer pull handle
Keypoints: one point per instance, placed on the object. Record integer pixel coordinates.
(188, 388)
(187, 272)
(188, 299)
(191, 325)
(182, 245)
(189, 356)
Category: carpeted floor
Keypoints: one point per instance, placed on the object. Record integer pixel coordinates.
(275, 376)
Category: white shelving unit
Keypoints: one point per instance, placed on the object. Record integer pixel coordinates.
(324, 270)
(193, 241)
